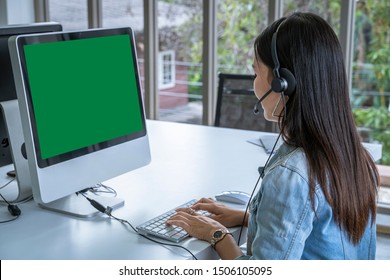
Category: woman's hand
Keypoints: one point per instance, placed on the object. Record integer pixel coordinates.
(221, 213)
(198, 226)
(203, 227)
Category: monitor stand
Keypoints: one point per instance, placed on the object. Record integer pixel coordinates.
(78, 206)
(20, 188)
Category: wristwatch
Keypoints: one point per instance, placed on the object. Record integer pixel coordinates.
(218, 235)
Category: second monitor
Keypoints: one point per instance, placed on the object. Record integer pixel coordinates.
(20, 188)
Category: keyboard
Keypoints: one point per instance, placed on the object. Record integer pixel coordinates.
(157, 226)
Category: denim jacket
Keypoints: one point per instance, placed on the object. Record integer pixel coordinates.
(283, 225)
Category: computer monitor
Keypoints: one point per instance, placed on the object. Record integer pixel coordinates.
(7, 85)
(82, 112)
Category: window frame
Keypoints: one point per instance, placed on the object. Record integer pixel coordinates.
(166, 69)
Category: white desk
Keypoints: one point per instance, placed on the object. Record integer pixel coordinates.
(188, 161)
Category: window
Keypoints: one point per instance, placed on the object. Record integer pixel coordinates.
(122, 13)
(328, 9)
(180, 41)
(239, 23)
(72, 14)
(371, 73)
(166, 65)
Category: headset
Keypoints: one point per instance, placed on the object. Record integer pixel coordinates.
(284, 81)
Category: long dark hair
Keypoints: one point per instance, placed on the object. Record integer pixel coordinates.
(318, 118)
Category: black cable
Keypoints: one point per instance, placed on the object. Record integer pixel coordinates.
(151, 239)
(255, 187)
(10, 220)
(6, 184)
(107, 211)
(12, 208)
(263, 169)
(4, 199)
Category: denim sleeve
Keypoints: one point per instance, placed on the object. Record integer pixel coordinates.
(283, 217)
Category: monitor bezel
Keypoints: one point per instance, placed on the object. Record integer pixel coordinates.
(24, 40)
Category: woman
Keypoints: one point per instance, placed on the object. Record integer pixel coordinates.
(318, 194)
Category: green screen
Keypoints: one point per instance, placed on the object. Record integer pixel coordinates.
(83, 92)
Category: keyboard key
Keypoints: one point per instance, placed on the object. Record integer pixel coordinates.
(158, 227)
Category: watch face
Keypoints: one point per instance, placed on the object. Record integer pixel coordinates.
(218, 234)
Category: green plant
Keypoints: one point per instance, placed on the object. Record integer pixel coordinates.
(377, 124)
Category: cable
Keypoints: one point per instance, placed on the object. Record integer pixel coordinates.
(255, 187)
(102, 189)
(12, 208)
(263, 169)
(19, 201)
(108, 210)
(2, 187)
(6, 184)
(151, 239)
(10, 220)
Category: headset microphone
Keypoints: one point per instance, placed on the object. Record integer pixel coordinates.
(255, 109)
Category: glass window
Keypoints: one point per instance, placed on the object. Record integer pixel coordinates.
(72, 14)
(371, 73)
(328, 9)
(122, 13)
(180, 30)
(239, 23)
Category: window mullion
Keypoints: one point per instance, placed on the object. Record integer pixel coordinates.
(347, 23)
(95, 14)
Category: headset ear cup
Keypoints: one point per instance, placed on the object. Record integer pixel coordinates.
(290, 79)
(278, 84)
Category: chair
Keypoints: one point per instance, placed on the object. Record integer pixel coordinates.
(235, 103)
